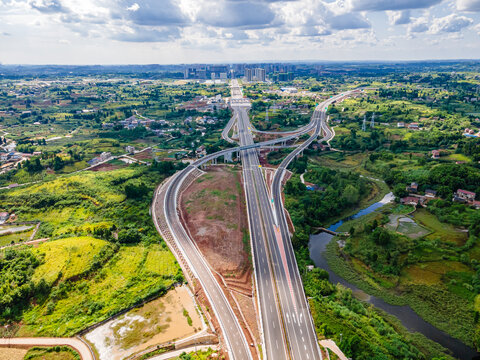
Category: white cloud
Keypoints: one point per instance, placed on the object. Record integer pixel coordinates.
(450, 24)
(348, 21)
(133, 7)
(48, 6)
(418, 25)
(240, 14)
(399, 17)
(468, 5)
(276, 29)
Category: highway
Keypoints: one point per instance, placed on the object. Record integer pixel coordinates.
(286, 326)
(300, 328)
(298, 336)
(273, 336)
(272, 236)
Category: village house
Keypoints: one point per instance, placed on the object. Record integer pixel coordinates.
(413, 187)
(400, 124)
(430, 193)
(414, 126)
(465, 195)
(200, 152)
(435, 154)
(410, 200)
(4, 216)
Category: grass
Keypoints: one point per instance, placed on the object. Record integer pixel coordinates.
(453, 314)
(187, 316)
(458, 157)
(442, 231)
(15, 237)
(52, 353)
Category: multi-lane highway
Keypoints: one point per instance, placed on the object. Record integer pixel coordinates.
(300, 329)
(273, 237)
(287, 329)
(273, 264)
(273, 337)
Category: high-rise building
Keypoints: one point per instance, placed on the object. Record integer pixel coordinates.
(248, 74)
(260, 74)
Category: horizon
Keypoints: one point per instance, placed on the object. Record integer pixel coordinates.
(126, 32)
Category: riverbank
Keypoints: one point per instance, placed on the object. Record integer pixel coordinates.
(410, 305)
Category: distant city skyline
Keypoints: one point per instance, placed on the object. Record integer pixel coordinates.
(233, 31)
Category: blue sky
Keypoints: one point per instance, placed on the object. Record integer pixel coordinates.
(189, 31)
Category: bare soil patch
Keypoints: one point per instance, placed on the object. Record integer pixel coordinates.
(12, 353)
(214, 212)
(213, 209)
(105, 167)
(169, 318)
(143, 155)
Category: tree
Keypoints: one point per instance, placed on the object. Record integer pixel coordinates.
(350, 194)
(130, 236)
(400, 190)
(136, 191)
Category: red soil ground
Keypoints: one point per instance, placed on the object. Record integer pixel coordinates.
(105, 167)
(214, 212)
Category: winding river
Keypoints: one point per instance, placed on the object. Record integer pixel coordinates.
(405, 314)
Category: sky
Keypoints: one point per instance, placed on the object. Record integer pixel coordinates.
(233, 31)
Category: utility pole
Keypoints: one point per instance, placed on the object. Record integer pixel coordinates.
(372, 123)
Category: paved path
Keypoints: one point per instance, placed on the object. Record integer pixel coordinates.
(176, 353)
(330, 344)
(77, 344)
(32, 242)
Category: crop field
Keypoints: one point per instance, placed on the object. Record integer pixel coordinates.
(410, 228)
(66, 258)
(132, 274)
(104, 254)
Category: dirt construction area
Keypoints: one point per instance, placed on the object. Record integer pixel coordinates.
(214, 212)
(213, 209)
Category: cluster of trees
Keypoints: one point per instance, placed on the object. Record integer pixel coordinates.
(337, 191)
(166, 168)
(470, 147)
(444, 178)
(357, 327)
(378, 248)
(353, 141)
(16, 285)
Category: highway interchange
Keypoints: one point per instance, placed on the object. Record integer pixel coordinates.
(286, 325)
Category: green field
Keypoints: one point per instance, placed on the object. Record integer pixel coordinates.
(104, 255)
(442, 231)
(86, 291)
